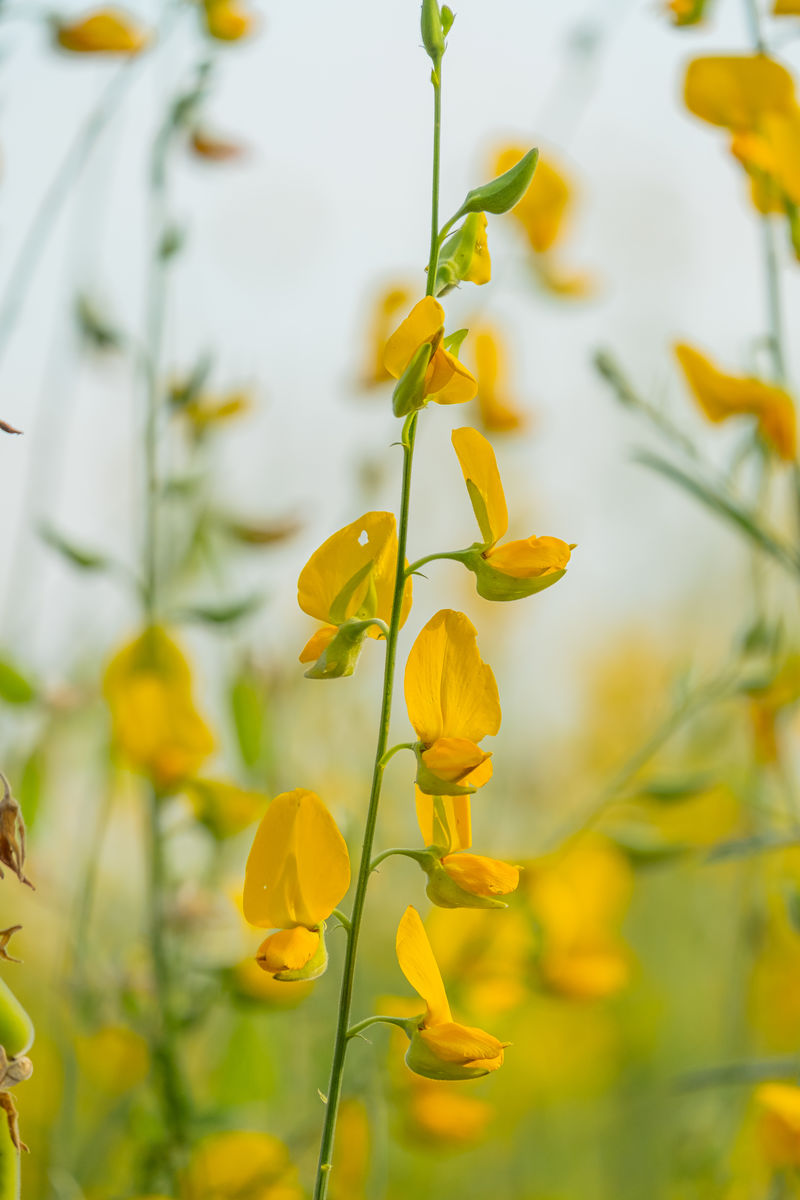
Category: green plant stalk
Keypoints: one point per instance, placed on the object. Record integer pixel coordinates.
(342, 1038)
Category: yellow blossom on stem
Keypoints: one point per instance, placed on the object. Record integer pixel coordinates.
(297, 871)
(778, 1106)
(389, 304)
(464, 258)
(735, 91)
(416, 356)
(440, 1048)
(452, 702)
(498, 410)
(105, 31)
(722, 396)
(348, 583)
(156, 728)
(480, 875)
(687, 12)
(227, 20)
(786, 8)
(515, 569)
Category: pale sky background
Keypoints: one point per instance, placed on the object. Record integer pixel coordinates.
(283, 253)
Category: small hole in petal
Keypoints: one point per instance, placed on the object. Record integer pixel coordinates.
(363, 538)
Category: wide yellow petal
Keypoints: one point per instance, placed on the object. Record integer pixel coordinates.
(479, 468)
(450, 691)
(530, 557)
(499, 412)
(444, 821)
(352, 574)
(736, 90)
(461, 385)
(415, 956)
(298, 868)
(422, 324)
(317, 643)
(453, 758)
(106, 31)
(463, 1044)
(786, 8)
(480, 875)
(287, 950)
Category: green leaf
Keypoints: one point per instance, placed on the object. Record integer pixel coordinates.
(222, 614)
(453, 342)
(674, 791)
(29, 786)
(760, 843)
(502, 193)
(249, 710)
(15, 688)
(78, 556)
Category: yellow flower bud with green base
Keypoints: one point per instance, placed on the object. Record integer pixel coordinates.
(465, 257)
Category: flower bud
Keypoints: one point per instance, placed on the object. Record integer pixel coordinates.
(451, 1062)
(342, 652)
(432, 32)
(469, 881)
(493, 584)
(465, 256)
(294, 954)
(502, 193)
(409, 391)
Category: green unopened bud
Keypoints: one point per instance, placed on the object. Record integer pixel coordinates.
(495, 585)
(444, 892)
(432, 32)
(422, 1061)
(409, 391)
(504, 192)
(340, 656)
(432, 784)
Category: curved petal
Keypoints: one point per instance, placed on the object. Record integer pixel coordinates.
(479, 468)
(464, 1044)
(287, 949)
(450, 692)
(351, 571)
(736, 90)
(422, 324)
(415, 956)
(444, 821)
(480, 875)
(298, 868)
(460, 387)
(454, 759)
(530, 557)
(317, 643)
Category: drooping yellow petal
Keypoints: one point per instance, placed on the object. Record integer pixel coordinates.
(454, 759)
(106, 31)
(479, 468)
(156, 727)
(464, 1045)
(317, 643)
(499, 412)
(423, 324)
(287, 950)
(480, 875)
(736, 90)
(352, 574)
(444, 821)
(530, 557)
(450, 691)
(298, 868)
(542, 212)
(453, 383)
(415, 956)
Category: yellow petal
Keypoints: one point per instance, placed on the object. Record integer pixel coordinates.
(298, 868)
(106, 31)
(781, 138)
(777, 422)
(779, 1123)
(463, 1044)
(530, 557)
(480, 875)
(454, 759)
(287, 950)
(735, 91)
(317, 643)
(224, 808)
(444, 821)
(450, 691)
(227, 21)
(786, 8)
(480, 265)
(238, 1164)
(156, 728)
(352, 574)
(453, 384)
(390, 303)
(417, 963)
(479, 468)
(423, 324)
(499, 412)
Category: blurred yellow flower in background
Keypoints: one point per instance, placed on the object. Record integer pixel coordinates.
(390, 302)
(297, 871)
(778, 1106)
(156, 728)
(452, 701)
(498, 410)
(223, 807)
(442, 1114)
(687, 12)
(113, 1059)
(440, 1048)
(240, 1165)
(722, 396)
(351, 1156)
(227, 20)
(104, 31)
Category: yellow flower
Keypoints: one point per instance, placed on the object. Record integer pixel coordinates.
(441, 1114)
(213, 148)
(350, 1171)
(786, 8)
(113, 1060)
(105, 31)
(721, 396)
(518, 568)
(156, 728)
(735, 91)
(349, 583)
(452, 702)
(578, 899)
(224, 808)
(444, 821)
(499, 413)
(686, 12)
(204, 411)
(465, 257)
(440, 1047)
(240, 1165)
(297, 871)
(443, 378)
(226, 20)
(480, 875)
(389, 304)
(779, 1123)
(768, 701)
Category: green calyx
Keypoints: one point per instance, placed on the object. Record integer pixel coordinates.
(340, 656)
(422, 1061)
(409, 391)
(492, 584)
(444, 892)
(432, 30)
(457, 254)
(16, 1027)
(434, 785)
(315, 966)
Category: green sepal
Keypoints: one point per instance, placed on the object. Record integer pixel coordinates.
(448, 16)
(315, 966)
(457, 254)
(444, 892)
(432, 31)
(422, 1061)
(496, 585)
(340, 656)
(454, 341)
(16, 1027)
(434, 785)
(502, 193)
(337, 613)
(409, 391)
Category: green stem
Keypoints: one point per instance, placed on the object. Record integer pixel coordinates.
(774, 303)
(390, 753)
(417, 855)
(365, 865)
(400, 1022)
(455, 555)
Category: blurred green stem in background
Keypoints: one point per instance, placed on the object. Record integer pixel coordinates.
(343, 1034)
